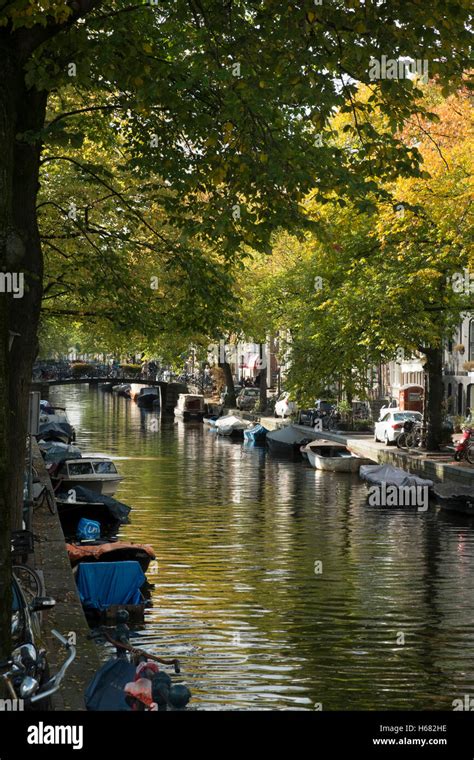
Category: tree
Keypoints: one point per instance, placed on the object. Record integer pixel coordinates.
(221, 102)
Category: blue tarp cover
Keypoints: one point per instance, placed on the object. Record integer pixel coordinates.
(101, 584)
(106, 689)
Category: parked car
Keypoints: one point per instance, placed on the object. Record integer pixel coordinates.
(247, 398)
(284, 407)
(390, 424)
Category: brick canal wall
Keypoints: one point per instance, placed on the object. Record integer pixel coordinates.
(52, 561)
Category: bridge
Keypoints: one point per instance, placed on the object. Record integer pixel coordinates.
(37, 384)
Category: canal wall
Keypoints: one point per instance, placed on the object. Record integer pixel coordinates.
(52, 563)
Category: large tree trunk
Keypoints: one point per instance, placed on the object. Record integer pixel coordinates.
(434, 397)
(22, 111)
(229, 381)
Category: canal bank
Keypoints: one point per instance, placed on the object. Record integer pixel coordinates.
(52, 563)
(433, 465)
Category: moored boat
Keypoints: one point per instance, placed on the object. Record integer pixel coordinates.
(286, 441)
(94, 473)
(255, 434)
(190, 406)
(147, 397)
(332, 456)
(376, 474)
(454, 497)
(84, 504)
(107, 587)
(122, 389)
(231, 426)
(55, 451)
(106, 551)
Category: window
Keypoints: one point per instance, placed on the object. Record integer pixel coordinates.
(104, 468)
(471, 340)
(81, 468)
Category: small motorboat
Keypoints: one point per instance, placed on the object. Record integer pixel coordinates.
(80, 503)
(332, 456)
(231, 426)
(286, 441)
(147, 397)
(95, 473)
(255, 434)
(106, 551)
(190, 406)
(376, 474)
(107, 587)
(55, 451)
(454, 497)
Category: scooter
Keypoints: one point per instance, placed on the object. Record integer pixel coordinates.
(465, 447)
(26, 665)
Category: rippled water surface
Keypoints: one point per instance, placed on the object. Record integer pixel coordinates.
(238, 596)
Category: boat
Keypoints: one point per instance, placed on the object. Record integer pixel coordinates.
(59, 432)
(55, 416)
(106, 387)
(332, 456)
(190, 406)
(123, 389)
(286, 440)
(106, 551)
(210, 421)
(170, 393)
(110, 513)
(107, 587)
(147, 397)
(376, 474)
(95, 473)
(454, 497)
(255, 434)
(55, 451)
(231, 426)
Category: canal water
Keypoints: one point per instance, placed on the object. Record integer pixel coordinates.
(276, 586)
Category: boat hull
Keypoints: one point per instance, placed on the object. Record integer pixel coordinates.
(336, 464)
(188, 415)
(104, 486)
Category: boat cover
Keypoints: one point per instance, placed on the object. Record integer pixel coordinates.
(103, 584)
(76, 553)
(54, 451)
(117, 509)
(288, 434)
(255, 433)
(106, 689)
(380, 473)
(49, 431)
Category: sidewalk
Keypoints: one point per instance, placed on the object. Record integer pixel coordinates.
(67, 616)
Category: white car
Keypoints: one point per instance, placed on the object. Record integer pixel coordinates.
(390, 424)
(284, 407)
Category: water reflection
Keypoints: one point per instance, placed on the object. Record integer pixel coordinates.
(237, 534)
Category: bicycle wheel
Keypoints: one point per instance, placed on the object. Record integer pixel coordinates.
(29, 581)
(470, 453)
(402, 441)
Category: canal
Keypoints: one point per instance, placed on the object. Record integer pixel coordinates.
(276, 586)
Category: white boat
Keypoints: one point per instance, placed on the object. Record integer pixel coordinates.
(287, 440)
(190, 406)
(230, 425)
(332, 456)
(376, 474)
(95, 473)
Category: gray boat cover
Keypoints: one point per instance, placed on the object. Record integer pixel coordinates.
(386, 473)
